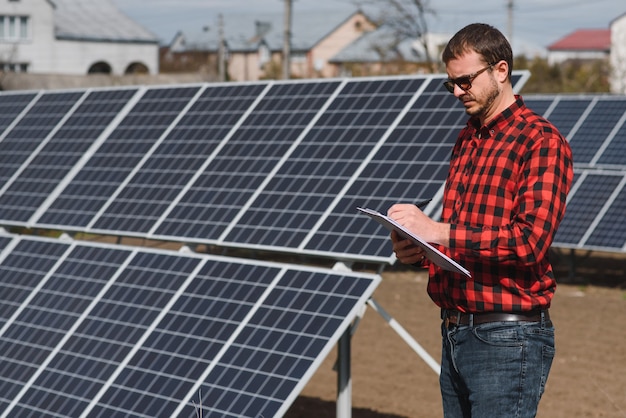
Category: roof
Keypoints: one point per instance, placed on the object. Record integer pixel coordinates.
(584, 40)
(375, 46)
(92, 20)
(241, 31)
(378, 45)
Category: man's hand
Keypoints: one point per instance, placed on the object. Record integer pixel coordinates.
(416, 221)
(407, 252)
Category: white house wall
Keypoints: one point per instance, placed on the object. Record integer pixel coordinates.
(45, 54)
(618, 55)
(72, 57)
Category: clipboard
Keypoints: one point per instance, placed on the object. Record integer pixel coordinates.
(432, 253)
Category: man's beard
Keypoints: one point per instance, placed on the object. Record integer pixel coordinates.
(485, 102)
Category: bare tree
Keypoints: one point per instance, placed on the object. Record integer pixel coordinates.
(6, 58)
(407, 21)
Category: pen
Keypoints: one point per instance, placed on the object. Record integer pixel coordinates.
(423, 203)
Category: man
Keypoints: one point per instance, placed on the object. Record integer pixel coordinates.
(510, 172)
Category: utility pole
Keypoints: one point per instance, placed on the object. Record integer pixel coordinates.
(510, 21)
(287, 41)
(221, 53)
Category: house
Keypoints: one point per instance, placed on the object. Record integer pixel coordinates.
(582, 44)
(73, 37)
(381, 52)
(618, 55)
(254, 45)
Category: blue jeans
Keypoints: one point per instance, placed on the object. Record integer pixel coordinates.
(495, 370)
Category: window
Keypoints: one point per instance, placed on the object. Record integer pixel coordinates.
(14, 67)
(14, 28)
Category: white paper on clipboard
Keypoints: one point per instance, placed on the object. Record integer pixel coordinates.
(432, 253)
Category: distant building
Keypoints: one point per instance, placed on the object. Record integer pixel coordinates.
(75, 37)
(618, 55)
(254, 45)
(583, 44)
(380, 52)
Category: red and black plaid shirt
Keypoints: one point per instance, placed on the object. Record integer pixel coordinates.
(504, 198)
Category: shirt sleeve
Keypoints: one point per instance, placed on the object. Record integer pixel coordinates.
(538, 208)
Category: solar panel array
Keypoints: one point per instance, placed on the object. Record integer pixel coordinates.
(273, 165)
(595, 126)
(104, 330)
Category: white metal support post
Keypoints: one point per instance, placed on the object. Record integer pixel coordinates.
(344, 379)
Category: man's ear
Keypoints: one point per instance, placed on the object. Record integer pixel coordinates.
(501, 70)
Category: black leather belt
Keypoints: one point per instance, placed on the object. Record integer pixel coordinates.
(452, 317)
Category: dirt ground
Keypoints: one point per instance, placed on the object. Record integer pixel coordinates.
(390, 380)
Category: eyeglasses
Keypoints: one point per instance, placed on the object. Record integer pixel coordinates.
(465, 81)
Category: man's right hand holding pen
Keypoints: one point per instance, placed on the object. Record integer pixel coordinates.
(412, 218)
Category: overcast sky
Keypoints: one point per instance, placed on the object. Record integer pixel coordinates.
(538, 22)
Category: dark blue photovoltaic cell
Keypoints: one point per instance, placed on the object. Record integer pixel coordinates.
(596, 128)
(45, 322)
(113, 331)
(24, 138)
(177, 159)
(22, 350)
(170, 362)
(20, 272)
(106, 336)
(118, 156)
(278, 345)
(411, 166)
(584, 205)
(611, 230)
(11, 105)
(245, 161)
(59, 155)
(322, 164)
(567, 113)
(615, 152)
(538, 104)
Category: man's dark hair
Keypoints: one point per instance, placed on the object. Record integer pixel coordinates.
(483, 39)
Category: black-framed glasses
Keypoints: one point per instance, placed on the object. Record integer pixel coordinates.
(465, 81)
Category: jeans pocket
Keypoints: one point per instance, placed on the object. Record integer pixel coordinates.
(499, 334)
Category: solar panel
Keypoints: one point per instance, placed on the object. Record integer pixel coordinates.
(596, 128)
(568, 113)
(30, 131)
(304, 187)
(272, 165)
(246, 160)
(411, 165)
(614, 152)
(11, 106)
(125, 147)
(179, 157)
(56, 157)
(108, 330)
(609, 232)
(590, 194)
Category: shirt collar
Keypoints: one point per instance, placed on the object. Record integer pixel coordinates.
(501, 120)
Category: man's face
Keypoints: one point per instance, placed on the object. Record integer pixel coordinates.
(480, 97)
